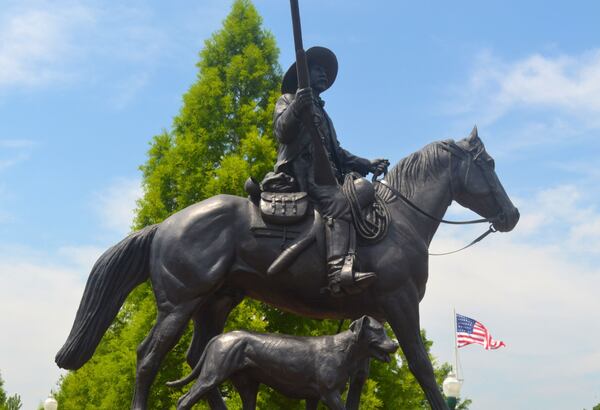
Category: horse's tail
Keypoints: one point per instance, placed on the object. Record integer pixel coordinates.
(114, 275)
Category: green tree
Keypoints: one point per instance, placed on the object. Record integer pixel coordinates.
(222, 135)
(13, 403)
(8, 402)
(2, 392)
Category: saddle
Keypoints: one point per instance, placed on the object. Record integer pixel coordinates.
(289, 208)
(285, 215)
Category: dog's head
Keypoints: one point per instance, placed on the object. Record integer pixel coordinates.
(372, 334)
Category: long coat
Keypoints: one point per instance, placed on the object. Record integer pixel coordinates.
(294, 156)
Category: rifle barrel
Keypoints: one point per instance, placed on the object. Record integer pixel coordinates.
(323, 172)
(301, 63)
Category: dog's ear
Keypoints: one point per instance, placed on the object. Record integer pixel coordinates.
(358, 325)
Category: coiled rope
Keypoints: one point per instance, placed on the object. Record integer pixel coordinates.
(372, 225)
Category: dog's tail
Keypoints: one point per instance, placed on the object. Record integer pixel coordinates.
(195, 371)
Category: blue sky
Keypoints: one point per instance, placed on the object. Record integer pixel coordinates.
(84, 85)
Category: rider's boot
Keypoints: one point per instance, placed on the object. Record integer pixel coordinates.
(341, 243)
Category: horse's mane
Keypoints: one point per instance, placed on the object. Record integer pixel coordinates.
(414, 170)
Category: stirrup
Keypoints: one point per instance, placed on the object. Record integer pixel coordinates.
(364, 279)
(345, 281)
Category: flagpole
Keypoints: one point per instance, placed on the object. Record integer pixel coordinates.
(455, 344)
(452, 383)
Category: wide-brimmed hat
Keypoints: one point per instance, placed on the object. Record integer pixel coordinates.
(314, 55)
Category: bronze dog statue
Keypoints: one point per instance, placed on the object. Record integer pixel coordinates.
(310, 368)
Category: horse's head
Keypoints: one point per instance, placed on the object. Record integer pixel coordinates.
(477, 186)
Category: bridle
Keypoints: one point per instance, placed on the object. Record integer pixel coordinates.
(453, 149)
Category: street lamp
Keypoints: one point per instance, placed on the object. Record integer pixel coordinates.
(50, 403)
(451, 387)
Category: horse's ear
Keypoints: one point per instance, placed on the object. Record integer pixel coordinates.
(474, 136)
(473, 139)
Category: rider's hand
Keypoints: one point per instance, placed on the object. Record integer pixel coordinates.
(379, 166)
(304, 98)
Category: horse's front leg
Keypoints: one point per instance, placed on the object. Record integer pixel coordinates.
(402, 312)
(357, 382)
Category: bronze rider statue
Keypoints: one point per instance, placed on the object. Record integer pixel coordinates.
(295, 159)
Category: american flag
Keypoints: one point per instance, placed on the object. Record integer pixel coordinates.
(471, 331)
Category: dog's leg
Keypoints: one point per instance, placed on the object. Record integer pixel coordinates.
(333, 400)
(247, 388)
(357, 382)
(222, 359)
(312, 404)
(207, 381)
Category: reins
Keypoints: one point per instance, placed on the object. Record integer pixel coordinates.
(490, 230)
(416, 208)
(408, 202)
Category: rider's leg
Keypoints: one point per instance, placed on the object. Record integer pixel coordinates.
(340, 239)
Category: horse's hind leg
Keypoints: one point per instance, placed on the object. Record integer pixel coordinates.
(333, 400)
(402, 312)
(312, 404)
(209, 321)
(161, 339)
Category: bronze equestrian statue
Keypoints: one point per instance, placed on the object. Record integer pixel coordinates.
(203, 260)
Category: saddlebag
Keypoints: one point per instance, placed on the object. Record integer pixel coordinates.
(283, 208)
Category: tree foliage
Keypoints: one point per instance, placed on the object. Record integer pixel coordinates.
(9, 402)
(13, 403)
(2, 392)
(222, 135)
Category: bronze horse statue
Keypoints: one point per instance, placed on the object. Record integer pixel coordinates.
(203, 260)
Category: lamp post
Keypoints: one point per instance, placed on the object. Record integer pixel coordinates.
(451, 388)
(50, 403)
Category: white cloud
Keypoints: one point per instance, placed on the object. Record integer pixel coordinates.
(14, 151)
(536, 289)
(80, 258)
(116, 204)
(45, 44)
(565, 82)
(539, 301)
(539, 100)
(38, 301)
(566, 215)
(35, 42)
(129, 89)
(16, 143)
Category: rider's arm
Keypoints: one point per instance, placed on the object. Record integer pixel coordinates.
(353, 163)
(285, 120)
